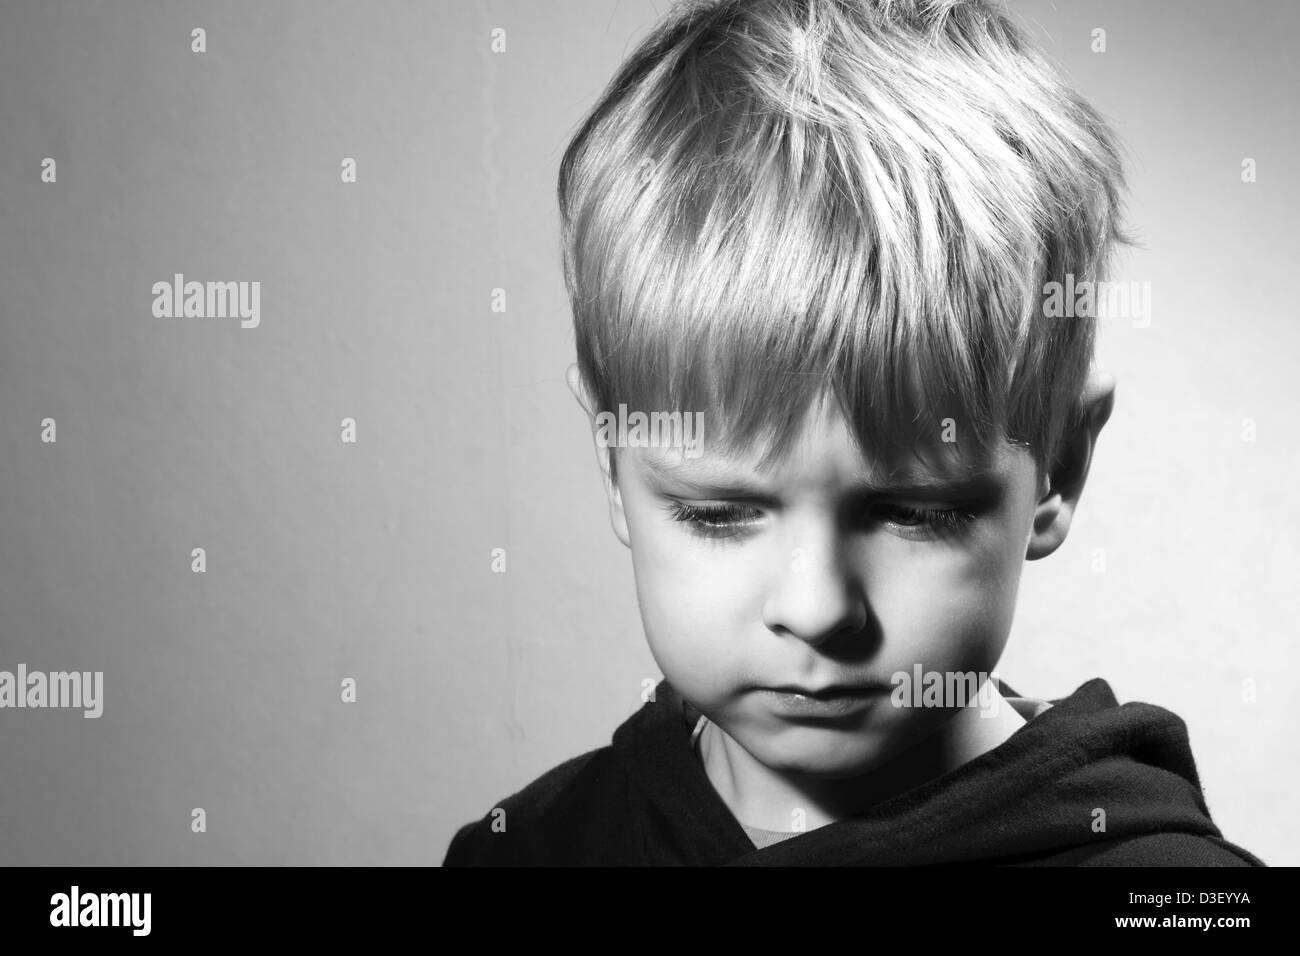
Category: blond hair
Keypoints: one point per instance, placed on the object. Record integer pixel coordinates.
(778, 200)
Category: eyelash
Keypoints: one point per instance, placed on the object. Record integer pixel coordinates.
(724, 521)
(710, 521)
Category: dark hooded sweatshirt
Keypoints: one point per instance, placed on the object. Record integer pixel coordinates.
(645, 800)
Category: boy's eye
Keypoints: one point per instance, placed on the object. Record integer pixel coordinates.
(933, 520)
(714, 521)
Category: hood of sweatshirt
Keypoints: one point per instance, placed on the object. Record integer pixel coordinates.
(1032, 799)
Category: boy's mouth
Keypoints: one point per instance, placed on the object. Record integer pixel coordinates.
(835, 700)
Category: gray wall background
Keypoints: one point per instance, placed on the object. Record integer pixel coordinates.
(372, 561)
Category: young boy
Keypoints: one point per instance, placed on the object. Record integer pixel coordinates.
(822, 231)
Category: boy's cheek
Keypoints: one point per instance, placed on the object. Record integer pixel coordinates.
(957, 622)
(937, 643)
(698, 579)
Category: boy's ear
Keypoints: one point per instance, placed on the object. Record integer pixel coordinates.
(1063, 484)
(604, 454)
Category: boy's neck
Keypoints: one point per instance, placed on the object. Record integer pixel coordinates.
(766, 799)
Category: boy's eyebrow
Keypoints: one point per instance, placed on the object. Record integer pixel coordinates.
(701, 477)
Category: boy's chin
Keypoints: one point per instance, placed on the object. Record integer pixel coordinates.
(837, 754)
(830, 759)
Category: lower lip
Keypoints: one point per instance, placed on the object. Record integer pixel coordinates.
(841, 705)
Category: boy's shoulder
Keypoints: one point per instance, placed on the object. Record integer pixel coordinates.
(546, 821)
(1158, 849)
(642, 800)
(581, 812)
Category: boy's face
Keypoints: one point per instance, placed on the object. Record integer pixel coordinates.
(756, 586)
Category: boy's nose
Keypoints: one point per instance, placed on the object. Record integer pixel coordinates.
(817, 595)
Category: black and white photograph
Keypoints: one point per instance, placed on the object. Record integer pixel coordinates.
(647, 433)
